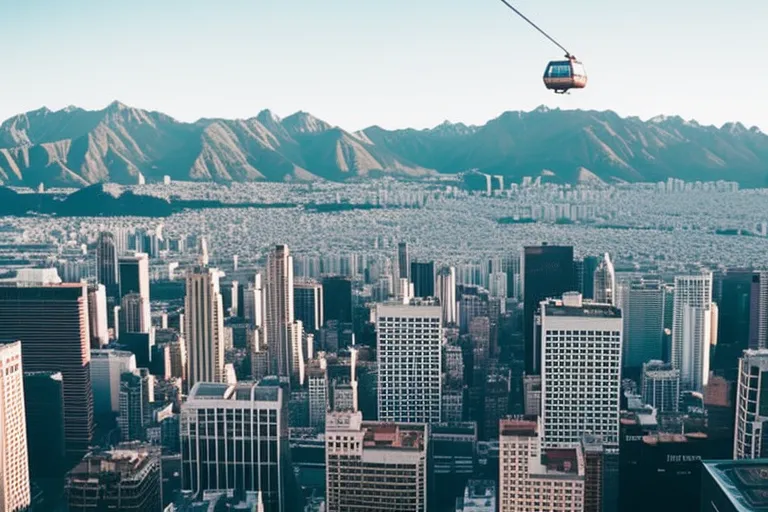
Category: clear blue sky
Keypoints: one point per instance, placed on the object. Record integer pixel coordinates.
(395, 63)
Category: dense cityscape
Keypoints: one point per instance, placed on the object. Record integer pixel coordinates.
(456, 344)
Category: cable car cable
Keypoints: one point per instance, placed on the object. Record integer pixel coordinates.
(567, 53)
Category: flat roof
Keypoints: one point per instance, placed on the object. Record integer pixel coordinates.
(393, 436)
(586, 310)
(744, 482)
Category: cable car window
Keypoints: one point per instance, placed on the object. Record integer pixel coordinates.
(578, 70)
(559, 70)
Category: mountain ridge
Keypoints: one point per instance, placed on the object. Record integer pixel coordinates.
(77, 147)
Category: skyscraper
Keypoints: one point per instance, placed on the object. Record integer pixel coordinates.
(403, 261)
(337, 299)
(605, 281)
(642, 307)
(106, 368)
(134, 278)
(547, 271)
(279, 309)
(692, 330)
(409, 341)
(52, 324)
(97, 315)
(308, 304)
(446, 293)
(106, 262)
(374, 466)
(133, 314)
(758, 311)
(752, 406)
(581, 371)
(14, 462)
(423, 279)
(204, 326)
(661, 386)
(253, 427)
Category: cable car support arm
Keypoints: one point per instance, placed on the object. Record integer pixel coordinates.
(567, 53)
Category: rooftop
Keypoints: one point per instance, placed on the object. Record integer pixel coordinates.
(393, 435)
(242, 391)
(518, 427)
(744, 482)
(561, 461)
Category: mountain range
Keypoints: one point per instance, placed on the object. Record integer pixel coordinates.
(77, 147)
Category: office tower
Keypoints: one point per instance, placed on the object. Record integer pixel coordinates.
(751, 406)
(14, 461)
(480, 336)
(496, 404)
(642, 307)
(134, 278)
(279, 309)
(581, 371)
(204, 326)
(532, 478)
(479, 496)
(423, 279)
(497, 284)
(605, 282)
(410, 367)
(734, 485)
(661, 386)
(446, 293)
(374, 466)
(97, 316)
(308, 304)
(318, 393)
(299, 357)
(452, 408)
(532, 395)
(598, 490)
(44, 408)
(253, 302)
(337, 299)
(106, 262)
(126, 478)
(133, 314)
(452, 462)
(52, 324)
(547, 271)
(135, 397)
(106, 368)
(252, 422)
(692, 330)
(758, 311)
(403, 262)
(732, 291)
(584, 270)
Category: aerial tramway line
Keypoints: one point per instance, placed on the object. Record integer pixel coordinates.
(561, 75)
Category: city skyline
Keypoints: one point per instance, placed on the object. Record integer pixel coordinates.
(397, 65)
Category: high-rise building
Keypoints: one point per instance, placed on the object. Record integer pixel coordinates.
(734, 485)
(584, 271)
(106, 368)
(581, 370)
(134, 275)
(97, 316)
(533, 478)
(752, 407)
(692, 330)
(106, 262)
(410, 367)
(44, 407)
(134, 314)
(403, 262)
(337, 299)
(732, 291)
(14, 461)
(453, 450)
(317, 376)
(204, 326)
(279, 309)
(661, 386)
(51, 321)
(308, 304)
(376, 467)
(423, 278)
(125, 478)
(252, 427)
(479, 496)
(547, 271)
(605, 282)
(446, 293)
(136, 394)
(642, 307)
(758, 311)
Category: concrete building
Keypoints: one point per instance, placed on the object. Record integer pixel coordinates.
(14, 461)
(479, 496)
(534, 479)
(278, 303)
(692, 330)
(374, 467)
(204, 326)
(661, 386)
(751, 406)
(734, 485)
(126, 478)
(107, 365)
(446, 293)
(308, 304)
(409, 340)
(581, 370)
(252, 425)
(642, 307)
(605, 282)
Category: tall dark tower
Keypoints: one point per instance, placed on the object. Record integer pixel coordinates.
(106, 263)
(423, 279)
(547, 272)
(403, 261)
(337, 299)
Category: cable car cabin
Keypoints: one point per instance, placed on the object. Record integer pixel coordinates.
(563, 75)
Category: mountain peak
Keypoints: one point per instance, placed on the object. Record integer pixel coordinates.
(267, 116)
(116, 106)
(304, 122)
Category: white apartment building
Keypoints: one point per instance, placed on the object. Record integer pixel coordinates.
(204, 326)
(14, 462)
(409, 342)
(581, 370)
(692, 330)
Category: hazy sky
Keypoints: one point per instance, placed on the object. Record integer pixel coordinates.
(395, 63)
